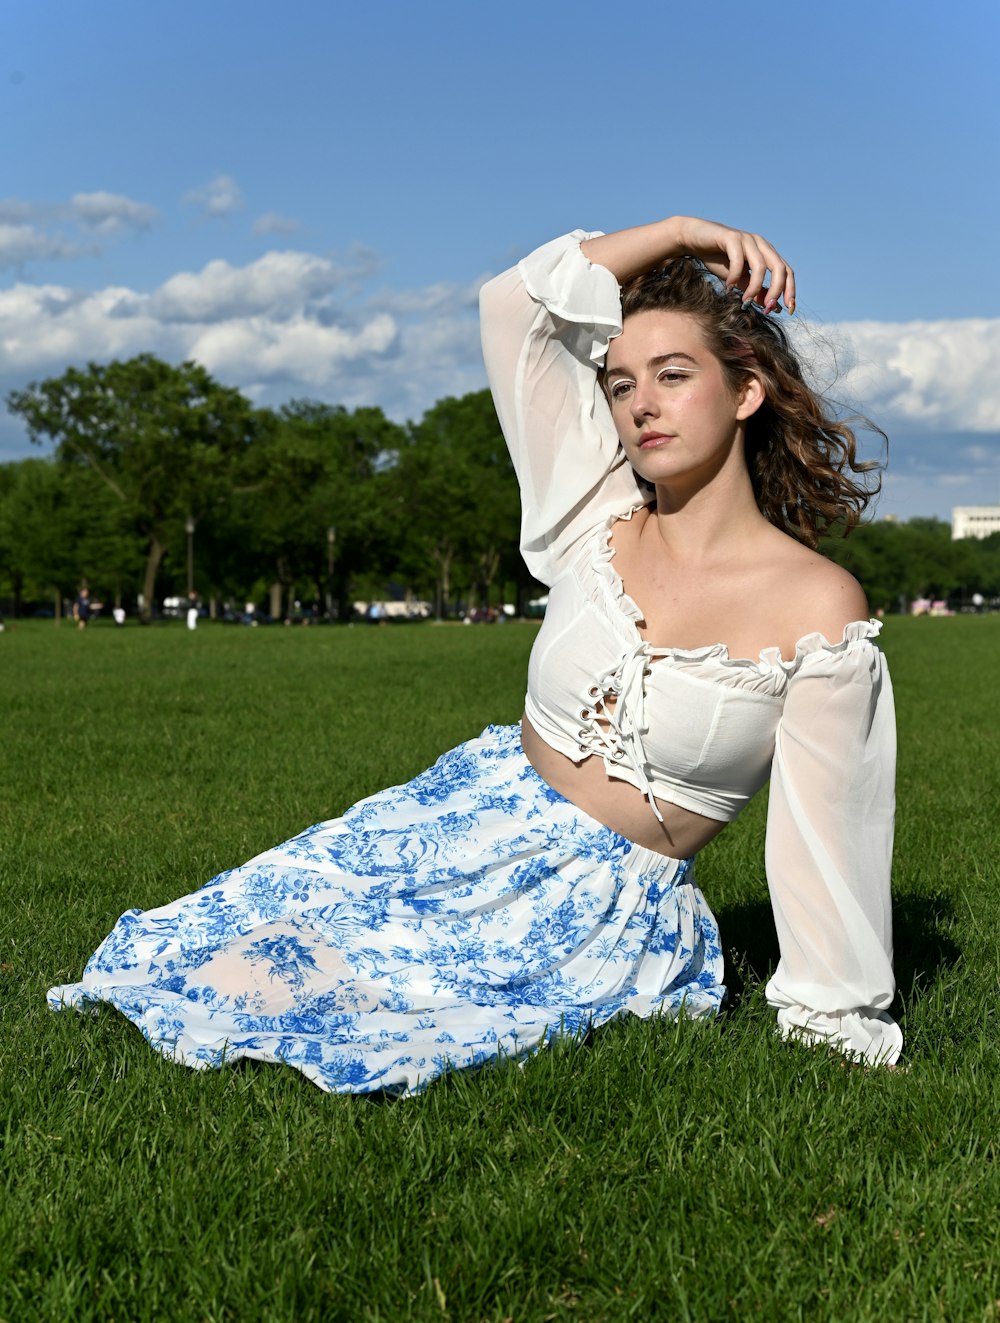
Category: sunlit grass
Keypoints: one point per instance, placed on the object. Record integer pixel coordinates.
(674, 1171)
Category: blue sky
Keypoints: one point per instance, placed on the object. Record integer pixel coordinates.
(306, 196)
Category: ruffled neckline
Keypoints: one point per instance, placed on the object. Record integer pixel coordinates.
(770, 659)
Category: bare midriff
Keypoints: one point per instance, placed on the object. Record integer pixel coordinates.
(620, 806)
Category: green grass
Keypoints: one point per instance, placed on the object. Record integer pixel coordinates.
(659, 1171)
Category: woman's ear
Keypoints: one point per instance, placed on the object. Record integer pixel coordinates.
(750, 398)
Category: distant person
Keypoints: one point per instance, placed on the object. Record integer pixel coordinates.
(82, 608)
(118, 616)
(192, 611)
(538, 880)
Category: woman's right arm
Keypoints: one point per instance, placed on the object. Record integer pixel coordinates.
(545, 326)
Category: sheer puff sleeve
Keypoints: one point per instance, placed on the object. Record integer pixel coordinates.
(545, 325)
(829, 849)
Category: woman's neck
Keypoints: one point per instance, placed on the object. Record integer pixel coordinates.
(710, 521)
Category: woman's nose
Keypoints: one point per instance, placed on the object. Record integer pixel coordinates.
(643, 401)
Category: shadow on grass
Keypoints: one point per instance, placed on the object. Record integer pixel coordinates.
(750, 943)
(923, 947)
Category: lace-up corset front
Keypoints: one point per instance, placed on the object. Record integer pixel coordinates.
(687, 726)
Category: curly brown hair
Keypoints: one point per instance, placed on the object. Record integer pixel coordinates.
(803, 464)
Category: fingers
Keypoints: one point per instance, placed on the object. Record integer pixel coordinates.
(736, 272)
(767, 275)
(790, 289)
(781, 282)
(746, 262)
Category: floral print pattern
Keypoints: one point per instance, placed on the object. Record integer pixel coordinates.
(471, 914)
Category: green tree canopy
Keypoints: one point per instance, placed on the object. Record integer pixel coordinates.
(455, 496)
(312, 473)
(163, 440)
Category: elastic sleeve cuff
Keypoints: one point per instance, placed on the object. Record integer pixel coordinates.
(571, 287)
(866, 1035)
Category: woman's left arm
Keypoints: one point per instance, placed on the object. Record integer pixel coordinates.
(829, 852)
(744, 260)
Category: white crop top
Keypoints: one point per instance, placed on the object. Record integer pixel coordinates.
(693, 726)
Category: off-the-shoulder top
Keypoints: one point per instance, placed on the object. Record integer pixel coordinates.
(695, 727)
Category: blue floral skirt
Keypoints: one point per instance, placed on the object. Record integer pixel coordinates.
(469, 915)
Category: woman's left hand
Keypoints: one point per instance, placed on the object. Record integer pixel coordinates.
(742, 259)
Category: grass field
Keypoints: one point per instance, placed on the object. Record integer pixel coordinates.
(659, 1171)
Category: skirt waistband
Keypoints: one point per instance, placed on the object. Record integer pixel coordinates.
(640, 858)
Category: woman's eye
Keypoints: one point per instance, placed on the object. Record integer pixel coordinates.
(620, 389)
(672, 376)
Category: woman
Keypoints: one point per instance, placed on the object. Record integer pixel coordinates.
(539, 879)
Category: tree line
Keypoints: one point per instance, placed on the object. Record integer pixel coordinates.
(159, 474)
(161, 479)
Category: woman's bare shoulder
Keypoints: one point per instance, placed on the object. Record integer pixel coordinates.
(817, 595)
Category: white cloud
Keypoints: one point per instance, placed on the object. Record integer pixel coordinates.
(15, 211)
(431, 298)
(272, 222)
(277, 284)
(26, 243)
(933, 375)
(38, 231)
(978, 454)
(110, 213)
(45, 328)
(364, 261)
(299, 350)
(952, 479)
(288, 323)
(221, 197)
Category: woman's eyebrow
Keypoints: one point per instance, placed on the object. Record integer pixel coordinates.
(658, 361)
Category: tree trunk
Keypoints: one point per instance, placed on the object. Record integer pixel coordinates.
(153, 558)
(57, 617)
(275, 601)
(489, 563)
(443, 559)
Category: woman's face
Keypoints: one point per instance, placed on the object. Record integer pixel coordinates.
(676, 414)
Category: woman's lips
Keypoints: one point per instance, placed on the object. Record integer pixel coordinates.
(650, 440)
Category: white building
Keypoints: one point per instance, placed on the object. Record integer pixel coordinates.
(974, 521)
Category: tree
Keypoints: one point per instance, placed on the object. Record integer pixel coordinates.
(39, 530)
(163, 440)
(456, 495)
(311, 475)
(895, 562)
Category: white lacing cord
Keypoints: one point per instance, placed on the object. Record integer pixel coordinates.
(618, 731)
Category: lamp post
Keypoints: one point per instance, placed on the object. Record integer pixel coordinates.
(331, 543)
(189, 529)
